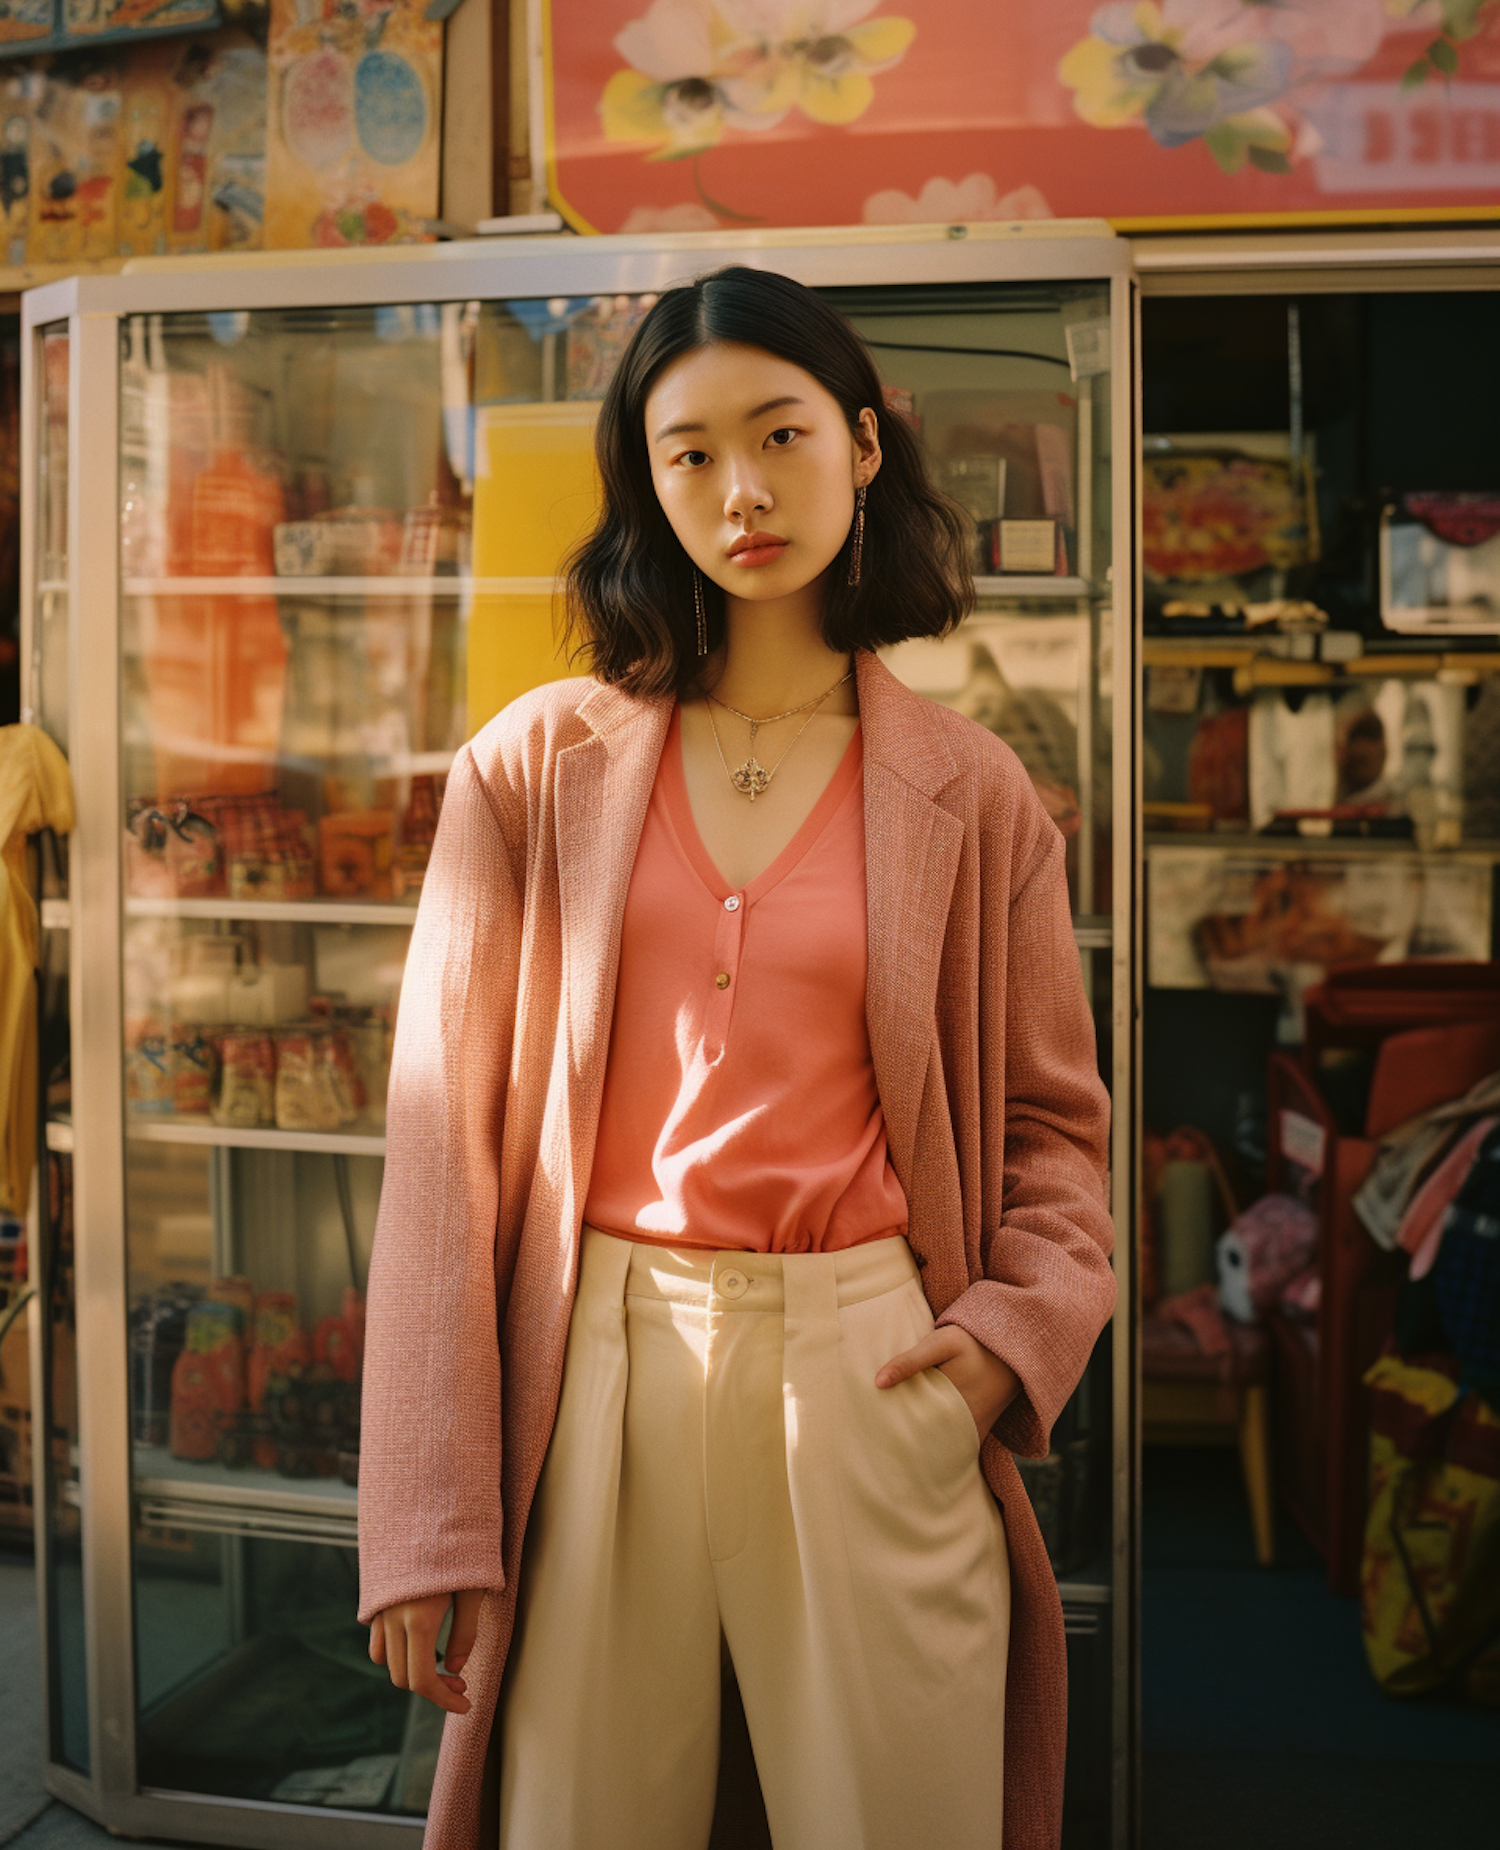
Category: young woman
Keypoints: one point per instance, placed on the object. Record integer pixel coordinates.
(745, 1202)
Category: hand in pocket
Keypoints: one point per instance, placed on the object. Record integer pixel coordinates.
(987, 1384)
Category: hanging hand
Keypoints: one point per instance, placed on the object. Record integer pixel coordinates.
(404, 1639)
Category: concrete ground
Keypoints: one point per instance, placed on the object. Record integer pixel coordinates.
(30, 1819)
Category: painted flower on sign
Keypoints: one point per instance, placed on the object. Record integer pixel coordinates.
(972, 200)
(690, 77)
(1236, 74)
(830, 47)
(1174, 69)
(697, 69)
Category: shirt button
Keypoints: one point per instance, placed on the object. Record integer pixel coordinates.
(732, 904)
(721, 981)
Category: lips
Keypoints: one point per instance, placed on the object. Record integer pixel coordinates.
(757, 549)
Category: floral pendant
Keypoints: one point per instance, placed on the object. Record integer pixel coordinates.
(750, 778)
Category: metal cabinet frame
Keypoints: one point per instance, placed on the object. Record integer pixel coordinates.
(92, 307)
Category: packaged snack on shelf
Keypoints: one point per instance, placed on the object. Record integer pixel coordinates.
(248, 1439)
(147, 875)
(357, 854)
(158, 1335)
(365, 542)
(148, 1066)
(192, 1068)
(192, 855)
(306, 1098)
(340, 1341)
(245, 1090)
(435, 540)
(304, 548)
(280, 1344)
(337, 1060)
(372, 1057)
(208, 1380)
(268, 853)
(417, 833)
(238, 1291)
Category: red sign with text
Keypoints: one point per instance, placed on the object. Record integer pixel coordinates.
(681, 115)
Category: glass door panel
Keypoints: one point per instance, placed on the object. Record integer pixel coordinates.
(295, 558)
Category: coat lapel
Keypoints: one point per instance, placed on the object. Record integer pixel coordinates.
(603, 788)
(912, 848)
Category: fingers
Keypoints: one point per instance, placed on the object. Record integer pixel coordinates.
(466, 1607)
(395, 1649)
(423, 1676)
(404, 1639)
(939, 1346)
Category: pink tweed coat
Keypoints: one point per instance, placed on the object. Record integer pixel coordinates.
(997, 1124)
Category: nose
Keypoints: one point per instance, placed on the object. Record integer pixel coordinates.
(747, 495)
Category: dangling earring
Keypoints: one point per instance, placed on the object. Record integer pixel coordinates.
(698, 611)
(857, 550)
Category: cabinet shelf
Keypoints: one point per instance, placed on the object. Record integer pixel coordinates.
(226, 1137)
(1025, 584)
(1299, 847)
(393, 586)
(177, 1493)
(275, 911)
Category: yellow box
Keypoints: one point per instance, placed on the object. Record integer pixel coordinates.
(536, 494)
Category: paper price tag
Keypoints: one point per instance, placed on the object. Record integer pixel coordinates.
(1088, 348)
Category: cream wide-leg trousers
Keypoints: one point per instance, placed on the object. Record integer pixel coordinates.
(722, 1458)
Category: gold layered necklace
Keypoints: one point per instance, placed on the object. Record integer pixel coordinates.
(751, 777)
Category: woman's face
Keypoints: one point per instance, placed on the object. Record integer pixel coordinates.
(755, 467)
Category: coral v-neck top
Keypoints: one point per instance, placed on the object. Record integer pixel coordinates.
(740, 1109)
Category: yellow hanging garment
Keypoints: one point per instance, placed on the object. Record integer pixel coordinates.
(36, 792)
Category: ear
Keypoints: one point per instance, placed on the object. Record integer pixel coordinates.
(866, 446)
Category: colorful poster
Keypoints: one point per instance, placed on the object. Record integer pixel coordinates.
(20, 91)
(55, 25)
(75, 173)
(216, 148)
(352, 145)
(96, 20)
(25, 25)
(686, 115)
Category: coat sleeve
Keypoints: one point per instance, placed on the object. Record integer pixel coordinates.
(429, 1465)
(1047, 1289)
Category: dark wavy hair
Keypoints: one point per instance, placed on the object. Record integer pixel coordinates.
(630, 608)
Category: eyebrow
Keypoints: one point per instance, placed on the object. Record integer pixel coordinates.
(771, 404)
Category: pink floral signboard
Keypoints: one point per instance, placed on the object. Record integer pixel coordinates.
(680, 115)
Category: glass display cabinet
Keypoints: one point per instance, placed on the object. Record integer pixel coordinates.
(293, 533)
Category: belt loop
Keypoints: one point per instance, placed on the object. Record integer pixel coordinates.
(810, 1286)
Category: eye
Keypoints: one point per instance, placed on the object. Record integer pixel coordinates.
(781, 438)
(692, 459)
